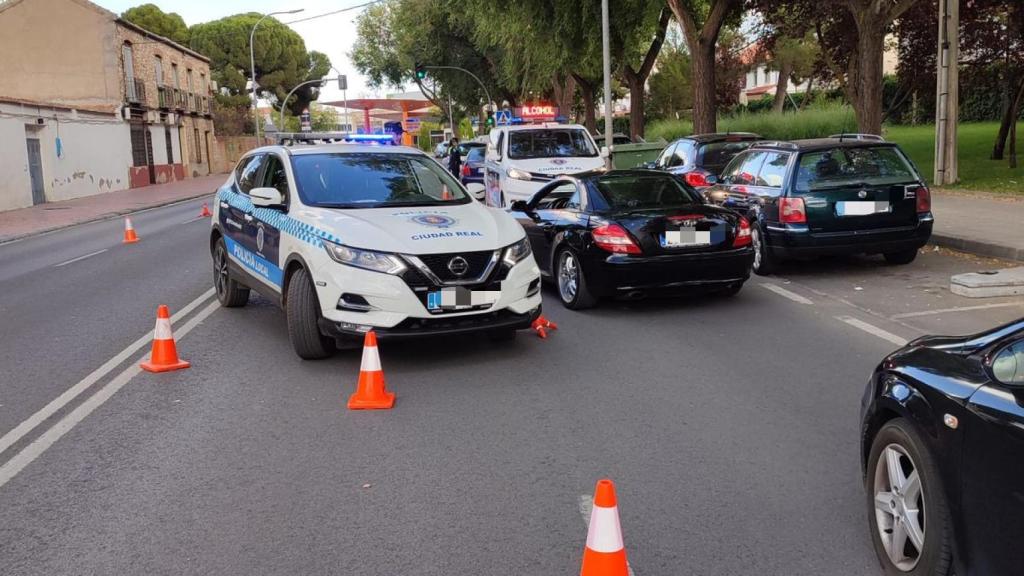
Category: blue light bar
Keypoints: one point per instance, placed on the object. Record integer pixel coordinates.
(370, 138)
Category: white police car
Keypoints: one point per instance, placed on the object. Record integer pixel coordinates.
(354, 237)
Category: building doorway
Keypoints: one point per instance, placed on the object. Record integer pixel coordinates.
(35, 170)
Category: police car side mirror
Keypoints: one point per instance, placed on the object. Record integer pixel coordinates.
(266, 197)
(476, 189)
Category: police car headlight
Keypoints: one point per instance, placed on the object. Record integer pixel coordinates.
(365, 259)
(517, 252)
(518, 174)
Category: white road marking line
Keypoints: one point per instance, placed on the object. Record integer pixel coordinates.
(19, 431)
(194, 219)
(958, 309)
(586, 505)
(73, 260)
(873, 330)
(17, 463)
(787, 294)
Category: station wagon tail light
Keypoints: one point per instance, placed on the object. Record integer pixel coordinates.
(791, 211)
(696, 179)
(742, 234)
(924, 200)
(614, 239)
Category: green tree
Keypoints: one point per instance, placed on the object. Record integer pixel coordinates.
(282, 61)
(671, 92)
(152, 18)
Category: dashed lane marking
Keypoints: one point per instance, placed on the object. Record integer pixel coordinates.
(22, 459)
(586, 505)
(873, 330)
(958, 309)
(19, 431)
(80, 258)
(787, 294)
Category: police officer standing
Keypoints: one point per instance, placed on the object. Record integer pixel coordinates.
(454, 157)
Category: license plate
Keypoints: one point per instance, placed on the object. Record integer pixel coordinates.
(685, 237)
(860, 208)
(459, 298)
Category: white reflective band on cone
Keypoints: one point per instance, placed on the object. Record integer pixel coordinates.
(371, 360)
(605, 533)
(162, 330)
(128, 224)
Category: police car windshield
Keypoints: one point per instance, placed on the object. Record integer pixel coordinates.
(374, 180)
(549, 143)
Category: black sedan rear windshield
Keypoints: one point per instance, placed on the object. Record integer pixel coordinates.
(839, 167)
(639, 192)
(374, 180)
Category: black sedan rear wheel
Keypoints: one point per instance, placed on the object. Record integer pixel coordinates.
(909, 519)
(572, 286)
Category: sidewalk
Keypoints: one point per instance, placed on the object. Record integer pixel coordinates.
(980, 224)
(41, 218)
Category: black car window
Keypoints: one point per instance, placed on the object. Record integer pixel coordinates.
(275, 176)
(558, 197)
(861, 166)
(682, 155)
(666, 155)
(773, 170)
(744, 168)
(476, 154)
(374, 180)
(715, 155)
(1008, 364)
(247, 171)
(641, 191)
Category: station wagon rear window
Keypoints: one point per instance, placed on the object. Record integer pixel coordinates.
(840, 167)
(367, 180)
(550, 143)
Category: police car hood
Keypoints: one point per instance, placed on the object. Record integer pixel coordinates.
(558, 166)
(420, 230)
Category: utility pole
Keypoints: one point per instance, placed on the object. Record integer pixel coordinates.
(607, 55)
(947, 93)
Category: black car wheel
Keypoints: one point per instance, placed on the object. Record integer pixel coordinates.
(303, 313)
(230, 293)
(572, 286)
(901, 257)
(909, 519)
(764, 262)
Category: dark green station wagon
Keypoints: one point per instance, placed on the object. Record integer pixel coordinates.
(848, 194)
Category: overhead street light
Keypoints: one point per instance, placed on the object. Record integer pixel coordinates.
(252, 65)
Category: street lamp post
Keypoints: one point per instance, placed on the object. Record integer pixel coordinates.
(252, 66)
(607, 61)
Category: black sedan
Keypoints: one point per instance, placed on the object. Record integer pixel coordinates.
(473, 164)
(943, 455)
(631, 233)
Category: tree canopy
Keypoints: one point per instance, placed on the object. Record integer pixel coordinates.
(152, 18)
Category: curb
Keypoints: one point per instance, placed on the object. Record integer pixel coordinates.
(978, 247)
(100, 218)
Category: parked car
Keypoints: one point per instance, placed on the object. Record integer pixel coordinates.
(942, 451)
(828, 196)
(631, 233)
(441, 150)
(473, 165)
(700, 158)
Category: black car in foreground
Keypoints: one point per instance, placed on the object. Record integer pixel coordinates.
(700, 158)
(942, 442)
(630, 233)
(827, 196)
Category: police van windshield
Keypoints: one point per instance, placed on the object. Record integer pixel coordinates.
(549, 143)
(374, 180)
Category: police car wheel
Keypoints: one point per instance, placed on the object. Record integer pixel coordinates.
(230, 293)
(303, 312)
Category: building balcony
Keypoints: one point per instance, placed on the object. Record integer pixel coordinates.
(164, 97)
(135, 91)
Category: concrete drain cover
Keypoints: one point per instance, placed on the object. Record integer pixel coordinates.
(989, 283)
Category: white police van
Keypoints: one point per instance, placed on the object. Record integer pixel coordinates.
(355, 237)
(521, 159)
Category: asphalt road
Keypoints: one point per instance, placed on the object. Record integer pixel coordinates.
(729, 425)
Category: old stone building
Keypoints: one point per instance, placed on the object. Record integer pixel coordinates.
(91, 103)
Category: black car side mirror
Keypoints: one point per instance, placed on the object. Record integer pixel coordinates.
(519, 206)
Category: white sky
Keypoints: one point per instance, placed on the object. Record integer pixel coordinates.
(333, 35)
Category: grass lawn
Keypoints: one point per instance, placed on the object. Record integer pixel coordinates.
(976, 171)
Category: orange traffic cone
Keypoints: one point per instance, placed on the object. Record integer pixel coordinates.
(206, 211)
(370, 392)
(604, 555)
(129, 232)
(541, 325)
(164, 356)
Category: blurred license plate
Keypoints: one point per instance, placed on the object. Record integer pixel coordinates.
(686, 237)
(459, 298)
(861, 208)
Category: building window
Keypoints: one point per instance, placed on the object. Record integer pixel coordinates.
(129, 72)
(174, 73)
(188, 77)
(170, 148)
(199, 150)
(202, 84)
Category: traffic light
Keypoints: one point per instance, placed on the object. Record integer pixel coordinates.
(490, 119)
(421, 71)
